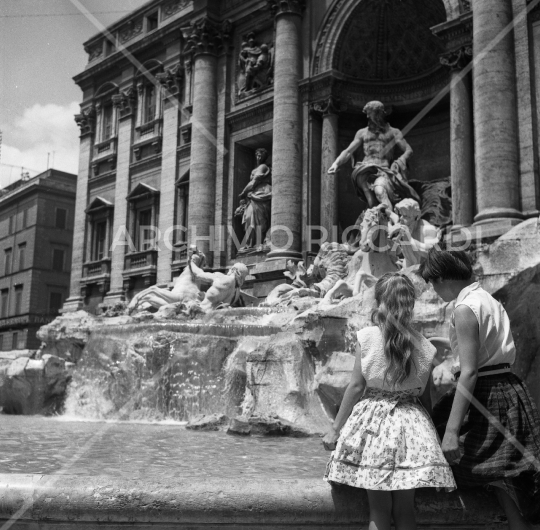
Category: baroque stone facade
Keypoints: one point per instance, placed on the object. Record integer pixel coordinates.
(170, 131)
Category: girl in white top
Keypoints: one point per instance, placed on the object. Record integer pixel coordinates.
(496, 441)
(383, 438)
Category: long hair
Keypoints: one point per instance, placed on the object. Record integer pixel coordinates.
(395, 297)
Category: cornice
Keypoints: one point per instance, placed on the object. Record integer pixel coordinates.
(249, 113)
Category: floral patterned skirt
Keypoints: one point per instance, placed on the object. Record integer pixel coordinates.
(389, 443)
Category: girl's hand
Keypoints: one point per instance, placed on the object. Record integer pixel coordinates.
(450, 447)
(329, 439)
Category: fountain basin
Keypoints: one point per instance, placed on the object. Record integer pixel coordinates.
(74, 502)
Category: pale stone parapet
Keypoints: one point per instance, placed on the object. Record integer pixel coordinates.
(70, 502)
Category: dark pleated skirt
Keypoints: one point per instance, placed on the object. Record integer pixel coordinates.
(499, 440)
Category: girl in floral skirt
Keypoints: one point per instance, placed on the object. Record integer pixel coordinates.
(383, 439)
(490, 426)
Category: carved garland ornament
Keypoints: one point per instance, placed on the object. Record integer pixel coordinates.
(328, 106)
(206, 36)
(457, 59)
(278, 7)
(174, 7)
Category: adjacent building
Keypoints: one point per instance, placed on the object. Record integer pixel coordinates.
(36, 233)
(179, 95)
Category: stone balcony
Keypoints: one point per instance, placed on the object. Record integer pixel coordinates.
(140, 264)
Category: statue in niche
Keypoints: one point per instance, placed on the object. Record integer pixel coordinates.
(255, 205)
(186, 289)
(255, 64)
(379, 178)
(413, 235)
(223, 290)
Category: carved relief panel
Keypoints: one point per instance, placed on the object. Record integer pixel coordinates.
(255, 63)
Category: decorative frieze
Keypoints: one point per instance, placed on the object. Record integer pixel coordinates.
(278, 7)
(207, 36)
(457, 59)
(130, 30)
(86, 120)
(125, 102)
(172, 8)
(171, 79)
(94, 52)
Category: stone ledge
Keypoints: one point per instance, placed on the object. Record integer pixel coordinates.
(69, 501)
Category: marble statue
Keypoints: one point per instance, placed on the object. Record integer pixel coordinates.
(185, 289)
(375, 257)
(379, 178)
(255, 205)
(413, 235)
(329, 267)
(256, 65)
(223, 289)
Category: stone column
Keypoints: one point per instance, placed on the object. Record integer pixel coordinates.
(329, 152)
(461, 138)
(287, 137)
(204, 40)
(171, 81)
(125, 104)
(495, 116)
(86, 122)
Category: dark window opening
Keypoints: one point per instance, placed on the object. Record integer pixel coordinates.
(15, 341)
(58, 260)
(55, 303)
(22, 251)
(149, 103)
(152, 21)
(4, 303)
(7, 262)
(61, 218)
(100, 236)
(18, 300)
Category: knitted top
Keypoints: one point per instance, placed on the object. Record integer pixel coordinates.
(375, 364)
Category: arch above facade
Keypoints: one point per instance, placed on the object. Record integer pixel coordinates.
(336, 20)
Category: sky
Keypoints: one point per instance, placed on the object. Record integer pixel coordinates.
(41, 49)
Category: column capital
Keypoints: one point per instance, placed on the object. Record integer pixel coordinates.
(457, 59)
(171, 79)
(86, 120)
(328, 106)
(207, 36)
(283, 7)
(125, 102)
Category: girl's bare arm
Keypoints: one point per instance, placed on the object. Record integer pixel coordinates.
(352, 396)
(469, 345)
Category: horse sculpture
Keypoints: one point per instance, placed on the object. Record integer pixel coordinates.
(374, 258)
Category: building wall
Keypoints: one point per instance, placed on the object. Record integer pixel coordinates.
(245, 123)
(40, 197)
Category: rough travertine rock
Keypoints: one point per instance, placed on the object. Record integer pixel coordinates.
(66, 336)
(512, 253)
(33, 386)
(207, 422)
(280, 382)
(333, 380)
